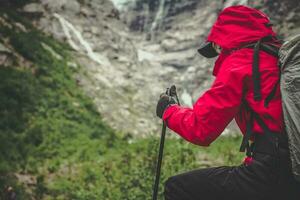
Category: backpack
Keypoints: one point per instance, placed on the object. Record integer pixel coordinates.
(289, 82)
(289, 58)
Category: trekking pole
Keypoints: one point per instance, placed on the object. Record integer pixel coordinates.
(172, 92)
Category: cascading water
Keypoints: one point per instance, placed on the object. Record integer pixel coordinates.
(158, 18)
(72, 33)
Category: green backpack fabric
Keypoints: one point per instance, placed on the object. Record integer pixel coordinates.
(289, 58)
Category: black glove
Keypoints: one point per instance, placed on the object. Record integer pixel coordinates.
(164, 102)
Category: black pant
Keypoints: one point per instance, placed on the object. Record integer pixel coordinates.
(266, 178)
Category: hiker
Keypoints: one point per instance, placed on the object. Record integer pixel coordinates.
(244, 89)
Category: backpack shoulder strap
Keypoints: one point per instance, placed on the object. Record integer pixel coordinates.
(274, 51)
(270, 49)
(255, 72)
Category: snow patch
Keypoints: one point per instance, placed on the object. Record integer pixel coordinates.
(120, 4)
(144, 55)
(235, 2)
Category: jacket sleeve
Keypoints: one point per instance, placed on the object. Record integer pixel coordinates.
(212, 112)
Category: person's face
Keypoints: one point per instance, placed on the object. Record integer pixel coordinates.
(217, 48)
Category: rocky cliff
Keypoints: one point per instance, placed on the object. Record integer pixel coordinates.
(129, 51)
(285, 15)
(122, 70)
(111, 70)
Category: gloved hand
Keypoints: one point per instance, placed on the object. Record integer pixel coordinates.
(164, 102)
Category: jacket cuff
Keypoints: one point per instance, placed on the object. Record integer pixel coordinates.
(169, 111)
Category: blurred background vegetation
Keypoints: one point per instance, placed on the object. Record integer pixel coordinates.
(58, 140)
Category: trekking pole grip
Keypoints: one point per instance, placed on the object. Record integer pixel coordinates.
(173, 93)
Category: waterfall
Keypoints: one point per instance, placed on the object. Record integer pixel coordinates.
(158, 18)
(80, 43)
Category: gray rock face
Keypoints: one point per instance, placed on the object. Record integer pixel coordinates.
(155, 16)
(53, 5)
(284, 14)
(126, 64)
(176, 29)
(33, 8)
(123, 87)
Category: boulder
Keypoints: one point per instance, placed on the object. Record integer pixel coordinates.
(54, 5)
(33, 8)
(72, 7)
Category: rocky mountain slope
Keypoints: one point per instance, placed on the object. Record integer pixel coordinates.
(284, 14)
(128, 56)
(123, 72)
(112, 73)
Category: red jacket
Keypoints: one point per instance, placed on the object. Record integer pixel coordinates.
(235, 27)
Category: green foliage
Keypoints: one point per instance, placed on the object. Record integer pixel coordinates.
(17, 95)
(44, 115)
(128, 170)
(227, 148)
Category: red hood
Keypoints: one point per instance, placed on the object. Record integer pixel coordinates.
(237, 26)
